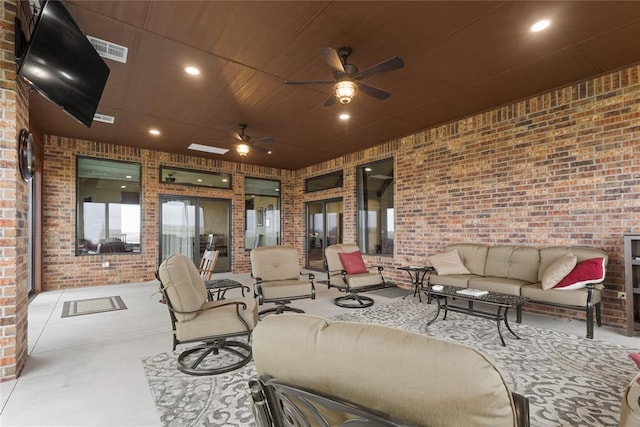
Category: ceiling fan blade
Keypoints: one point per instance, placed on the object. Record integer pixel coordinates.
(267, 140)
(330, 101)
(261, 149)
(374, 91)
(312, 82)
(390, 64)
(331, 57)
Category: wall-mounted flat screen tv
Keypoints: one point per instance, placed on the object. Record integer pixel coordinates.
(62, 64)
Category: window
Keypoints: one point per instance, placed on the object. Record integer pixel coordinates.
(262, 212)
(108, 201)
(323, 182)
(375, 207)
(194, 178)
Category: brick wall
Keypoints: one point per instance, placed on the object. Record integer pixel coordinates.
(562, 168)
(63, 269)
(557, 169)
(13, 209)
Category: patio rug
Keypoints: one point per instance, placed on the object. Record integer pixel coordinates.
(569, 380)
(93, 305)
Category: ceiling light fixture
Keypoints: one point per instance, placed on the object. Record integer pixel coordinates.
(242, 149)
(344, 116)
(345, 91)
(540, 26)
(193, 71)
(154, 132)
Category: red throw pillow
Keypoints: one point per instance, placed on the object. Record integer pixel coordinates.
(585, 272)
(352, 262)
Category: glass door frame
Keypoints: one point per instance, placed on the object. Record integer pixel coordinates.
(325, 233)
(196, 200)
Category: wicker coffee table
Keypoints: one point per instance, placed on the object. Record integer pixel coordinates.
(503, 302)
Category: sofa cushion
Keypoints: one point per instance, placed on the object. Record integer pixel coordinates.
(473, 256)
(513, 262)
(459, 280)
(502, 285)
(352, 262)
(558, 270)
(448, 263)
(585, 272)
(550, 254)
(575, 297)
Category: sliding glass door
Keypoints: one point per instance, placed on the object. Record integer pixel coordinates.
(324, 228)
(191, 225)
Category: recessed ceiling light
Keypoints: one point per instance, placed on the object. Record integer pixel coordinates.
(193, 71)
(199, 179)
(540, 25)
(269, 152)
(344, 116)
(225, 180)
(128, 177)
(367, 169)
(154, 132)
(123, 186)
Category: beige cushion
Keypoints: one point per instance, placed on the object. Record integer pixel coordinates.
(448, 263)
(576, 297)
(218, 321)
(549, 255)
(184, 286)
(275, 263)
(363, 280)
(459, 280)
(558, 270)
(630, 406)
(513, 262)
(473, 256)
(334, 264)
(454, 386)
(281, 289)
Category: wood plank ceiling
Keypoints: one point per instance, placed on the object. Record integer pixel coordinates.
(461, 58)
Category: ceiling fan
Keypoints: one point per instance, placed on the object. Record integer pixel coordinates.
(347, 77)
(245, 142)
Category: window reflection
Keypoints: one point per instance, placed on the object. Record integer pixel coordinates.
(376, 207)
(108, 218)
(262, 213)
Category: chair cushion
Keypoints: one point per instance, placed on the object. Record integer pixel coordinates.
(575, 297)
(352, 262)
(585, 272)
(513, 262)
(334, 264)
(448, 263)
(219, 321)
(281, 289)
(184, 286)
(558, 270)
(275, 263)
(473, 256)
(456, 386)
(363, 280)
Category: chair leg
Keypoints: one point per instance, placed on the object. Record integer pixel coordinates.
(190, 360)
(598, 316)
(353, 301)
(280, 308)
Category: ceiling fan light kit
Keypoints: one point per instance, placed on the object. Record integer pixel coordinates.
(345, 91)
(242, 149)
(346, 76)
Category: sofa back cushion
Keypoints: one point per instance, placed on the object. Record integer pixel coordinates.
(513, 262)
(473, 256)
(332, 257)
(549, 255)
(459, 385)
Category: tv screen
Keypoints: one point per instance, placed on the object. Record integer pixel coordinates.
(63, 65)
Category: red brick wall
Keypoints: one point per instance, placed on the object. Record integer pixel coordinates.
(562, 168)
(13, 209)
(557, 169)
(63, 269)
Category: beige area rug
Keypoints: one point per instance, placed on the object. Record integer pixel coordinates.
(92, 305)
